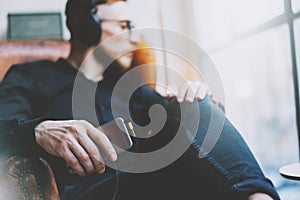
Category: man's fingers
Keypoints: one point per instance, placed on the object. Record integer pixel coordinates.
(192, 91)
(73, 162)
(102, 141)
(182, 92)
(197, 90)
(93, 153)
(169, 93)
(189, 91)
(83, 157)
(202, 91)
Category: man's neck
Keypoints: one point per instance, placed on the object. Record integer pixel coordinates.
(79, 57)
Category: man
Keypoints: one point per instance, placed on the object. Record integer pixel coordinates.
(41, 103)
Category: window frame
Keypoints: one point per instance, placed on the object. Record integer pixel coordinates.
(287, 17)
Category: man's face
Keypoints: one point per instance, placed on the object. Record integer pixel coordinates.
(115, 19)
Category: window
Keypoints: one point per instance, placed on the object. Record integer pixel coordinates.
(297, 40)
(255, 46)
(259, 94)
(225, 20)
(248, 14)
(296, 5)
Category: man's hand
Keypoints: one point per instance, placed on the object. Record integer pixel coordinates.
(189, 91)
(77, 142)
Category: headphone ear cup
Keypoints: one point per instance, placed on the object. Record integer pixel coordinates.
(89, 29)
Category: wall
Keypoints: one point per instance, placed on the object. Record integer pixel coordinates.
(28, 6)
(170, 14)
(174, 12)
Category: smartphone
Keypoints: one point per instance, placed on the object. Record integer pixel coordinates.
(118, 134)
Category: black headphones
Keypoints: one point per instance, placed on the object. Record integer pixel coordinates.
(83, 22)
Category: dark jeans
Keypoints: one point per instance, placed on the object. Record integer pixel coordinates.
(229, 171)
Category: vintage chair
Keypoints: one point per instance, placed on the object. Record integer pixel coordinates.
(28, 177)
(23, 177)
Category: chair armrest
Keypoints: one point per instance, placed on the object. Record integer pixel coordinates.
(28, 178)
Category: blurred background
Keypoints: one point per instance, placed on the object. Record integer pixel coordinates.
(255, 45)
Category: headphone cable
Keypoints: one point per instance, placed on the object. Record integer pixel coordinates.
(117, 182)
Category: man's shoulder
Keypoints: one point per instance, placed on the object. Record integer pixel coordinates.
(27, 68)
(39, 68)
(34, 65)
(31, 67)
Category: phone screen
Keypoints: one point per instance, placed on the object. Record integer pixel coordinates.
(117, 132)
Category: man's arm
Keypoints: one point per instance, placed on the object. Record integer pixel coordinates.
(15, 111)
